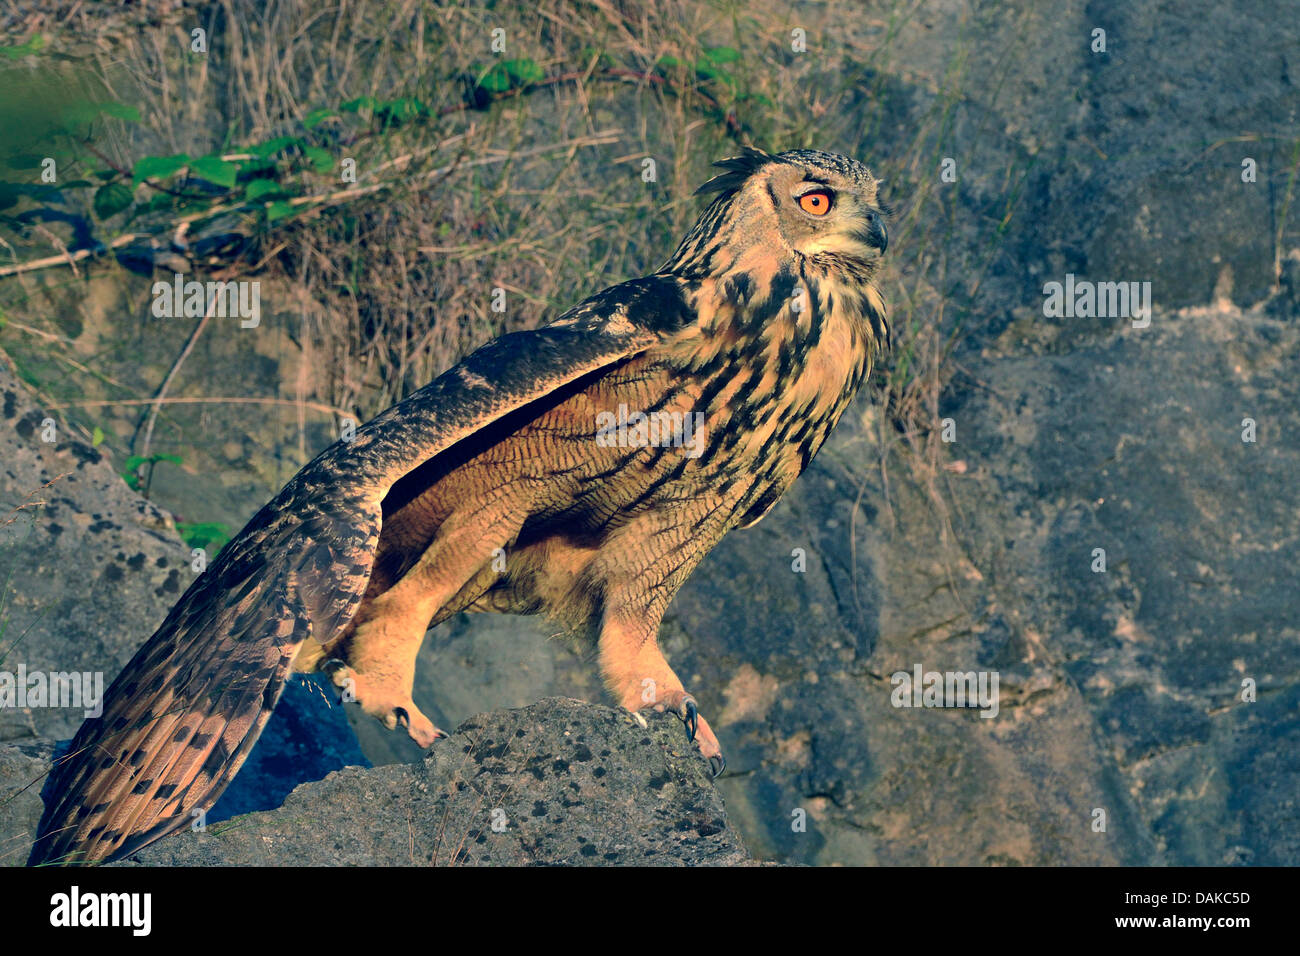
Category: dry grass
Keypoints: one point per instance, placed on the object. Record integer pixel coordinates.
(539, 194)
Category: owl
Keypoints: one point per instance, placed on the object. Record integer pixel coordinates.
(581, 470)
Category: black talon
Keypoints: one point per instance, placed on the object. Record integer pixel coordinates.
(691, 719)
(717, 765)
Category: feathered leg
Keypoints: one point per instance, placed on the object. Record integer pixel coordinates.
(639, 676)
(377, 668)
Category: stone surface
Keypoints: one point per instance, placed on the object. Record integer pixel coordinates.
(22, 768)
(558, 782)
(1121, 691)
(88, 570)
(88, 567)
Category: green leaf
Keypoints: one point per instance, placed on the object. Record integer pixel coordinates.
(496, 80)
(153, 202)
(263, 190)
(159, 167)
(316, 117)
(708, 72)
(273, 146)
(361, 102)
(41, 192)
(112, 198)
(106, 175)
(34, 45)
(215, 170)
(80, 113)
(524, 72)
(160, 202)
(256, 168)
(97, 437)
(204, 534)
(404, 110)
(135, 461)
(120, 111)
(279, 209)
(511, 74)
(320, 159)
(722, 54)
(668, 62)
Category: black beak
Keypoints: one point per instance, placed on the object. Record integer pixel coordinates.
(877, 234)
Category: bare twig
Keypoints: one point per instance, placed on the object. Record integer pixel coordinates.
(152, 415)
(203, 400)
(66, 258)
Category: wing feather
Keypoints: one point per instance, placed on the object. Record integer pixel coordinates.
(181, 717)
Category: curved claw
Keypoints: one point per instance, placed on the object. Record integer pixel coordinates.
(698, 730)
(389, 706)
(691, 718)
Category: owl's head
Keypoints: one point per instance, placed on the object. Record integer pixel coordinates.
(804, 202)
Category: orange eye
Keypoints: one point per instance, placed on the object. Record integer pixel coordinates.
(816, 203)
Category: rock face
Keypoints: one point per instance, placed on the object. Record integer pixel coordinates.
(559, 782)
(89, 567)
(1122, 736)
(22, 767)
(1121, 690)
(89, 570)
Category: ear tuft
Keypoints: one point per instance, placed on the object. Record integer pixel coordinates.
(739, 168)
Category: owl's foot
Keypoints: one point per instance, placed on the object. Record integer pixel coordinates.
(388, 704)
(638, 675)
(697, 728)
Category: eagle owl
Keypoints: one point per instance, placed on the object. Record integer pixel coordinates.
(604, 454)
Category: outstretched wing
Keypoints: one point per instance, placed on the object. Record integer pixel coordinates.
(181, 717)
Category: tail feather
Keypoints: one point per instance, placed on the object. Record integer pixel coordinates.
(136, 772)
(183, 715)
(208, 754)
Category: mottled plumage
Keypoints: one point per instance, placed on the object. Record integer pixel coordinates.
(760, 328)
